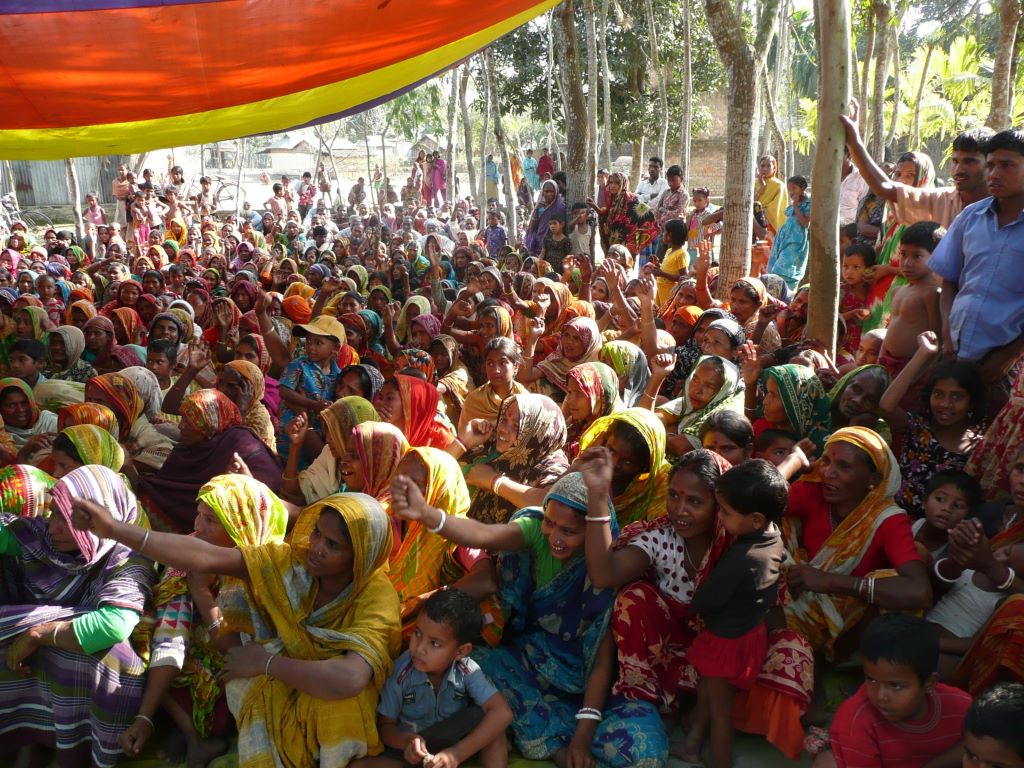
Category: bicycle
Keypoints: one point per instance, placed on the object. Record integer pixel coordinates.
(33, 217)
(224, 192)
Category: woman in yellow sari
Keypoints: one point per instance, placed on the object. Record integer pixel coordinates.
(326, 626)
(770, 192)
(853, 546)
(636, 438)
(423, 561)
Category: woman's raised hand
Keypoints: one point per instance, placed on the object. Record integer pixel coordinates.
(645, 288)
(750, 365)
(535, 327)
(407, 499)
(297, 429)
(476, 432)
(90, 516)
(596, 466)
(238, 466)
(222, 314)
(199, 357)
(662, 364)
(928, 343)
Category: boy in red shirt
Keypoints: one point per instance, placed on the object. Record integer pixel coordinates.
(901, 717)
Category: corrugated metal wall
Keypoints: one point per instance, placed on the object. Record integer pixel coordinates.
(42, 182)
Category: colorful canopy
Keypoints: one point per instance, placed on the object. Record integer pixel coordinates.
(99, 77)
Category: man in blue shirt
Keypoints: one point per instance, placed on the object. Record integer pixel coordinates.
(981, 263)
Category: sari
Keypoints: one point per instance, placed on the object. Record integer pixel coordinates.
(484, 403)
(804, 400)
(417, 360)
(557, 365)
(880, 294)
(87, 413)
(277, 724)
(729, 397)
(77, 702)
(128, 321)
(600, 384)
(40, 422)
(379, 446)
(644, 497)
(423, 561)
(141, 441)
(630, 364)
(41, 325)
(455, 380)
(537, 229)
(103, 356)
(252, 516)
(255, 416)
(836, 394)
(689, 353)
(991, 459)
(402, 330)
(170, 494)
(536, 458)
(819, 617)
(628, 221)
(654, 627)
(997, 652)
(95, 445)
(423, 424)
(323, 477)
(75, 369)
(25, 491)
(551, 639)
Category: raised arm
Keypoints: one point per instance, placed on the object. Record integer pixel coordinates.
(408, 503)
(185, 552)
(889, 405)
(878, 182)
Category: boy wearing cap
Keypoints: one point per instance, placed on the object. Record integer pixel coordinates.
(308, 382)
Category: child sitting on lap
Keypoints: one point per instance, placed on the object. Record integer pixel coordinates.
(438, 708)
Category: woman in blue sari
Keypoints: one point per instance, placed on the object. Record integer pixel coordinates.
(550, 205)
(556, 664)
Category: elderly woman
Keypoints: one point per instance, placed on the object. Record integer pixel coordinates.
(557, 657)
(65, 347)
(853, 545)
(749, 303)
(66, 628)
(579, 342)
(325, 627)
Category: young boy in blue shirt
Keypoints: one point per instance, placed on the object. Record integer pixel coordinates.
(438, 709)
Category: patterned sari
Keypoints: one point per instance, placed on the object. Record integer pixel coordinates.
(252, 516)
(804, 400)
(79, 703)
(997, 652)
(424, 424)
(600, 383)
(992, 458)
(820, 617)
(729, 397)
(630, 364)
(323, 477)
(536, 458)
(557, 365)
(552, 637)
(278, 724)
(25, 491)
(644, 498)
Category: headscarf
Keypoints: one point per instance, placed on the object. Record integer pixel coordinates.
(536, 457)
(373, 331)
(402, 327)
(456, 380)
(430, 324)
(644, 498)
(174, 318)
(209, 412)
(804, 399)
(423, 424)
(733, 330)
(821, 617)
(556, 366)
(630, 365)
(417, 359)
(502, 318)
(130, 355)
(148, 386)
(380, 447)
(85, 306)
(729, 397)
(74, 344)
(297, 309)
(249, 511)
(104, 487)
(104, 324)
(95, 445)
(87, 413)
(249, 289)
(537, 229)
(600, 383)
(41, 324)
(125, 400)
(257, 341)
(38, 422)
(129, 321)
(25, 491)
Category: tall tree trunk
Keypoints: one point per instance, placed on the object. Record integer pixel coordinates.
(366, 141)
(659, 78)
(686, 130)
(745, 64)
(577, 127)
(915, 135)
(876, 144)
(453, 143)
(552, 136)
(865, 75)
(499, 136)
(384, 172)
(240, 154)
(832, 17)
(897, 83)
(636, 162)
(483, 139)
(71, 177)
(593, 80)
(9, 177)
(606, 87)
(773, 126)
(467, 133)
(1000, 115)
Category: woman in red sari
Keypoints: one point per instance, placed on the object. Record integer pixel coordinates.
(410, 404)
(657, 566)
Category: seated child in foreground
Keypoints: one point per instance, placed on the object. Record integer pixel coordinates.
(915, 306)
(993, 736)
(901, 717)
(438, 708)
